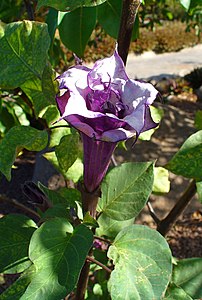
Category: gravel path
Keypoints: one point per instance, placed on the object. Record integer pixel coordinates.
(151, 65)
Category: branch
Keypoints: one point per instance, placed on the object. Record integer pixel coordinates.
(129, 12)
(95, 261)
(21, 206)
(165, 225)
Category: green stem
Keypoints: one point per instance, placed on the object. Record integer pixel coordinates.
(129, 12)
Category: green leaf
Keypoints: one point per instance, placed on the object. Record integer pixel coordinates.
(198, 120)
(75, 171)
(58, 210)
(112, 9)
(68, 5)
(58, 133)
(76, 28)
(199, 190)
(90, 221)
(15, 231)
(51, 115)
(61, 196)
(187, 275)
(123, 196)
(17, 289)
(185, 3)
(157, 114)
(67, 151)
(15, 140)
(143, 266)
(58, 253)
(49, 84)
(42, 91)
(23, 50)
(161, 181)
(188, 160)
(176, 293)
(109, 227)
(52, 21)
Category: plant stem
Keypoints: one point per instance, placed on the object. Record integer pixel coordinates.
(29, 9)
(21, 206)
(89, 203)
(83, 282)
(129, 12)
(95, 261)
(165, 225)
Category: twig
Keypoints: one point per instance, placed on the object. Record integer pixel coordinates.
(152, 213)
(95, 261)
(21, 206)
(165, 225)
(129, 12)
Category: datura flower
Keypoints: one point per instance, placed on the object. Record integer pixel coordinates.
(106, 107)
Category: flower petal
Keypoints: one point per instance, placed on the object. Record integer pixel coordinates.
(110, 69)
(97, 155)
(140, 119)
(74, 78)
(117, 135)
(135, 93)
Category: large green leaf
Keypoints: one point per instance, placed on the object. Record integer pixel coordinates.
(126, 189)
(15, 232)
(23, 51)
(109, 227)
(67, 151)
(143, 264)
(15, 140)
(17, 289)
(187, 275)
(112, 9)
(176, 293)
(58, 253)
(76, 28)
(188, 160)
(67, 5)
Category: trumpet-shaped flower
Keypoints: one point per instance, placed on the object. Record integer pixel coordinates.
(106, 107)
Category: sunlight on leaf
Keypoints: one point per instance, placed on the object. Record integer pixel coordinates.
(123, 196)
(15, 140)
(58, 252)
(143, 264)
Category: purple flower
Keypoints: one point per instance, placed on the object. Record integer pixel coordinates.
(106, 107)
